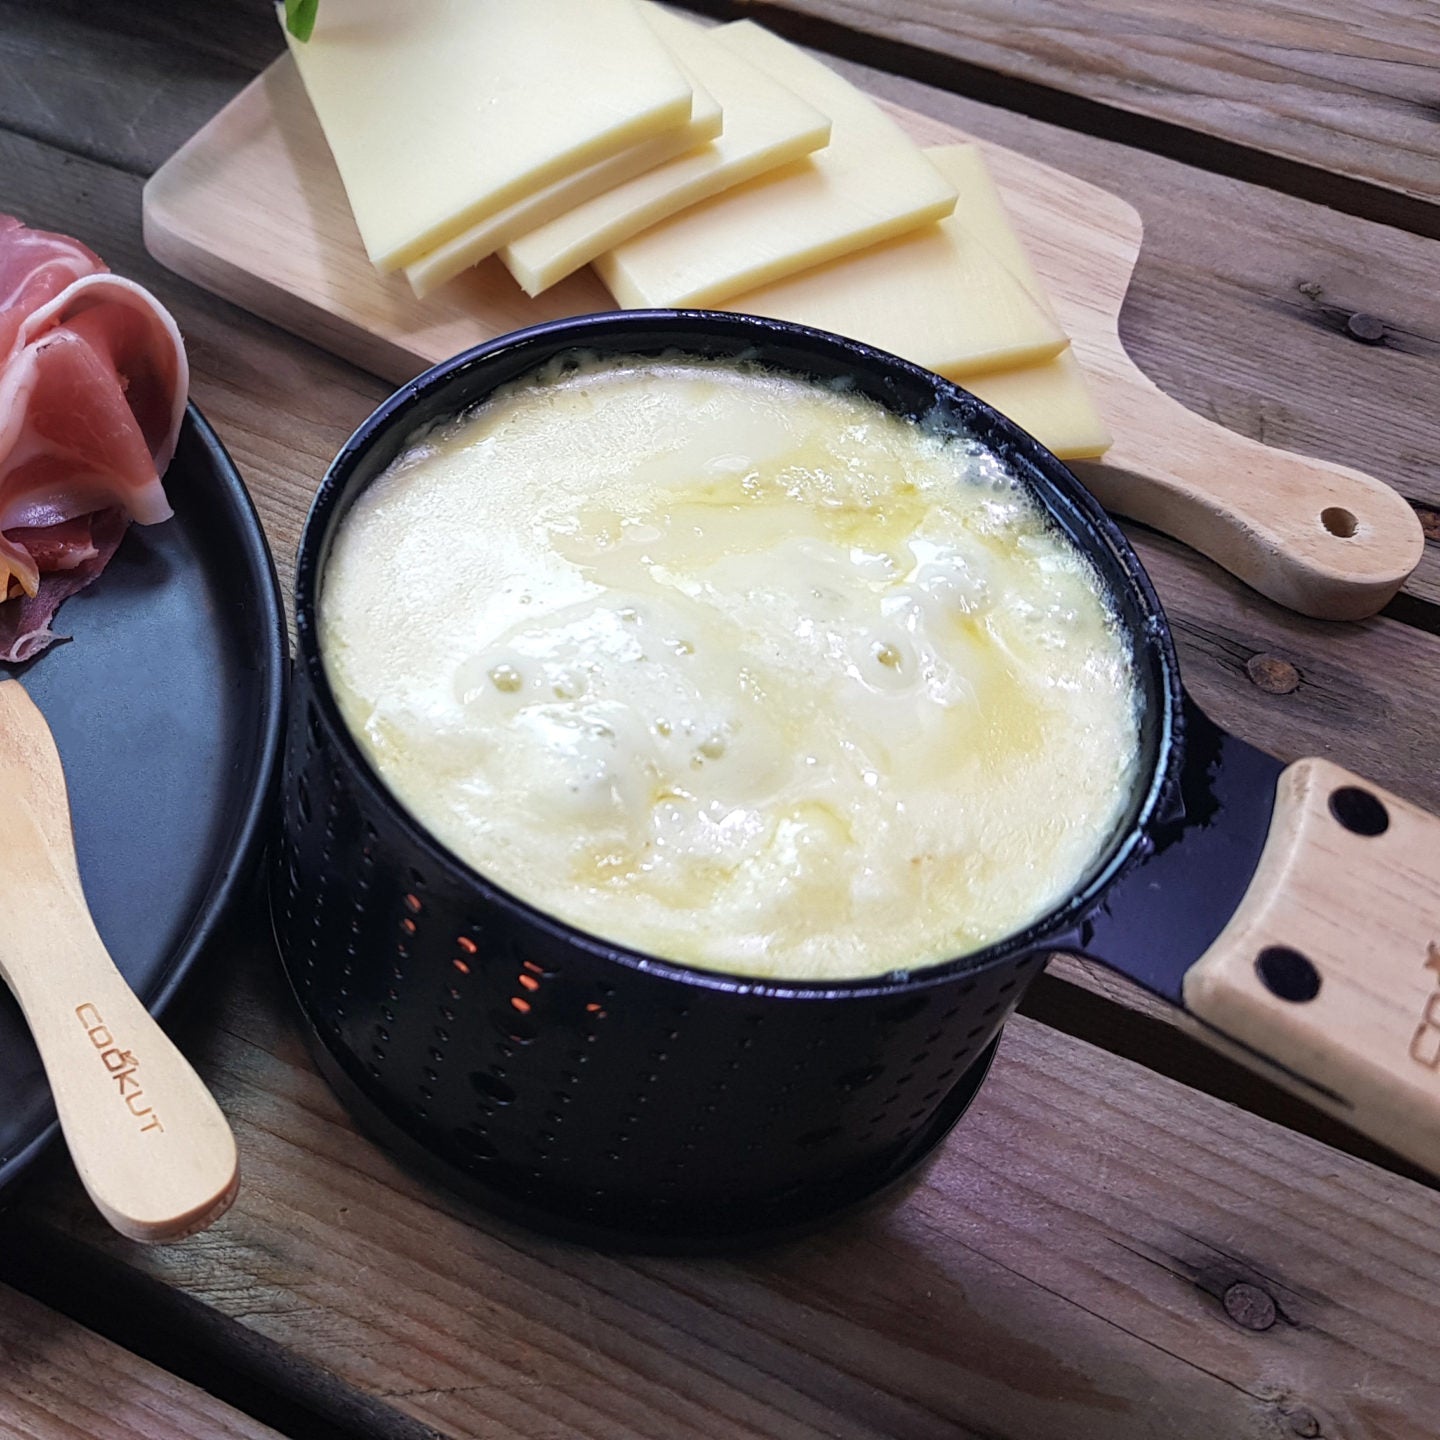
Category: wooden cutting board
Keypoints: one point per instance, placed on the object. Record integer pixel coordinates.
(253, 209)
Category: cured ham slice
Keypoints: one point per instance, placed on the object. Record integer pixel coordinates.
(79, 555)
(93, 383)
(35, 266)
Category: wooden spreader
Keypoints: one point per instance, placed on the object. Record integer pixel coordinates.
(147, 1138)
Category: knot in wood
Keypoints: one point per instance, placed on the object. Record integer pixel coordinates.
(1303, 1422)
(1272, 674)
(1367, 329)
(1249, 1305)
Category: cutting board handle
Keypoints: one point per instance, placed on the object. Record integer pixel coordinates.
(1317, 537)
(1330, 967)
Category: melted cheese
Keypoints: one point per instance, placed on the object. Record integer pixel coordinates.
(733, 669)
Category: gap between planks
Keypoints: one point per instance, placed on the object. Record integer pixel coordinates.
(64, 1380)
(1086, 1001)
(164, 1327)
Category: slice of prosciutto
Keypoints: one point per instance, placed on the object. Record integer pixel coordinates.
(93, 383)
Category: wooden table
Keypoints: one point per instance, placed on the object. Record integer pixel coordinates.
(1127, 1237)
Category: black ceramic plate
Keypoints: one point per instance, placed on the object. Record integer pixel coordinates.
(166, 707)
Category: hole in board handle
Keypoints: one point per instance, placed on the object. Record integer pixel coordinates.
(1287, 974)
(1339, 521)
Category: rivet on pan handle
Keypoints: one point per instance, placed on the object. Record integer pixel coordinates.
(1331, 965)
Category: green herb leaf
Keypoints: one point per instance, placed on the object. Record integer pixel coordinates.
(300, 17)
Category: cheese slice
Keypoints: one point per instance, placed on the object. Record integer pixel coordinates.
(869, 183)
(473, 244)
(1051, 401)
(983, 215)
(766, 125)
(441, 112)
(936, 296)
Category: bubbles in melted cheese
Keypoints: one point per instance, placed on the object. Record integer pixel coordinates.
(735, 670)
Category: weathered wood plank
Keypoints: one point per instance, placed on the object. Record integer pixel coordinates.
(103, 80)
(63, 1382)
(1067, 1267)
(1083, 999)
(1352, 681)
(1330, 101)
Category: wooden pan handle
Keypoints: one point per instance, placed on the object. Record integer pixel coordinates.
(1331, 965)
(1319, 538)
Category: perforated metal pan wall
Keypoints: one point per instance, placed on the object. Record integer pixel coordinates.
(585, 1088)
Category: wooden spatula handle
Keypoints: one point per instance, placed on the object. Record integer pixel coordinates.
(147, 1138)
(1317, 537)
(149, 1142)
(1330, 968)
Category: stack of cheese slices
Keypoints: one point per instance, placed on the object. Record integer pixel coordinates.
(718, 168)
